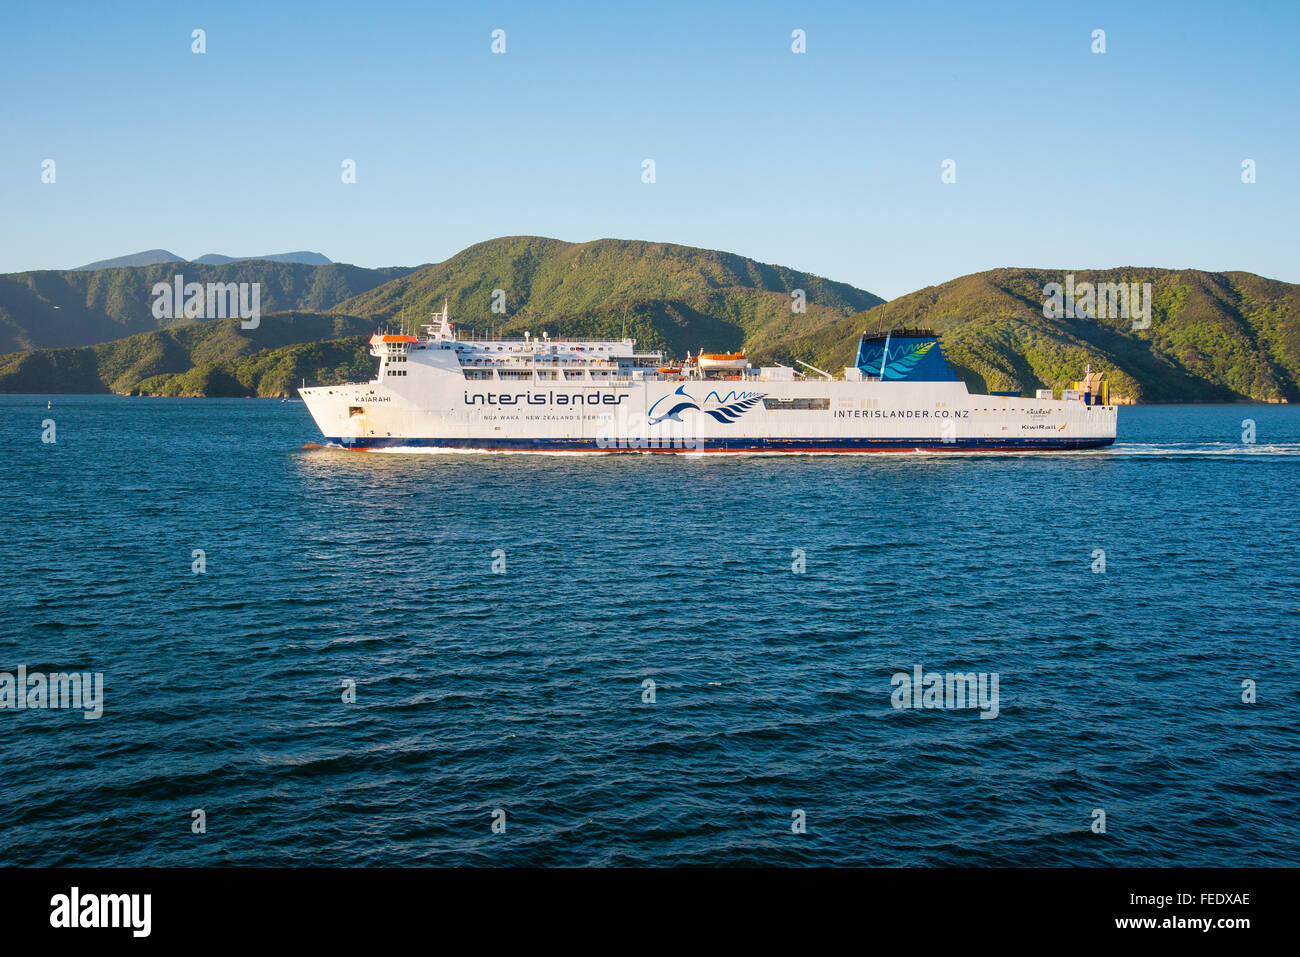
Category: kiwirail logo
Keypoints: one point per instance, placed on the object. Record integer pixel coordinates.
(214, 300)
(75, 910)
(55, 691)
(952, 691)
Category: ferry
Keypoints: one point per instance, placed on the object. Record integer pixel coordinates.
(444, 390)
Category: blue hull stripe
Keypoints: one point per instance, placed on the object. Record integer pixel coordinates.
(734, 445)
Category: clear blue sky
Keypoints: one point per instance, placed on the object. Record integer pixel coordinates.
(827, 161)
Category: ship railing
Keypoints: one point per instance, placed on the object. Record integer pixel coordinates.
(464, 334)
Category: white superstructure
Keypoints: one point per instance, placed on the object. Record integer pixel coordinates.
(436, 390)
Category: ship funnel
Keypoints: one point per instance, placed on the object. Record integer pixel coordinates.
(912, 355)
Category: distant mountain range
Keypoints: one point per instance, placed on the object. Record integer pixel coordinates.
(150, 257)
(56, 308)
(203, 358)
(1212, 337)
(154, 257)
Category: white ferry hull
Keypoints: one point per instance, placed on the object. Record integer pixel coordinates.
(542, 395)
(719, 416)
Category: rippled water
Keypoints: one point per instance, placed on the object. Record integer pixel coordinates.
(523, 691)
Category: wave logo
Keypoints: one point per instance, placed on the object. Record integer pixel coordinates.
(905, 363)
(727, 410)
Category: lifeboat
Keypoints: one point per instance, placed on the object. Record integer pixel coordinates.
(722, 361)
(670, 370)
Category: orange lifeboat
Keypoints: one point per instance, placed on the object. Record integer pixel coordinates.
(722, 361)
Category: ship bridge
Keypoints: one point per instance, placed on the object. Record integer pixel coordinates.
(528, 358)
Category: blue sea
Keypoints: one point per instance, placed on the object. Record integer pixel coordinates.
(499, 619)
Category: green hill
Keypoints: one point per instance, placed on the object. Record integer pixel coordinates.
(191, 360)
(663, 295)
(668, 297)
(1213, 336)
(272, 372)
(55, 308)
